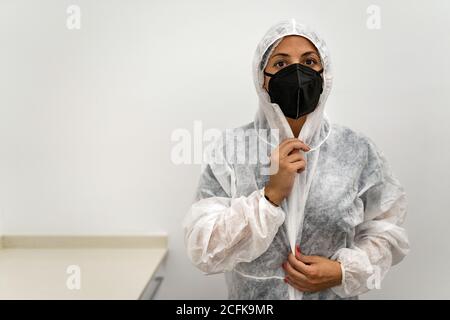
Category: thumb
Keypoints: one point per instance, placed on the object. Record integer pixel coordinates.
(303, 258)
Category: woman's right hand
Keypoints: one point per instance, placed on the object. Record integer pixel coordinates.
(289, 161)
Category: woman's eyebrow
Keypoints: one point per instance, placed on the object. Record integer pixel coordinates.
(287, 55)
(281, 54)
(310, 52)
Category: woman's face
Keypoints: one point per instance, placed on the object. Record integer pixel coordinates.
(292, 49)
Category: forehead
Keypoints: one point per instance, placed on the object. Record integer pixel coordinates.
(294, 44)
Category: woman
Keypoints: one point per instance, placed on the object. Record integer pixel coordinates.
(326, 223)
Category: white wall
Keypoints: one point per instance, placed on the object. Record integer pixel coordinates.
(86, 115)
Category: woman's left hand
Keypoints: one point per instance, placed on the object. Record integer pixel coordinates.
(311, 273)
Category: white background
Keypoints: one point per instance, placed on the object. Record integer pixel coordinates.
(86, 116)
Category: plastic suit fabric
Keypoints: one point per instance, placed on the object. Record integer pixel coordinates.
(346, 205)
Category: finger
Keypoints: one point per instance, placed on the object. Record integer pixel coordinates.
(294, 157)
(288, 140)
(297, 250)
(295, 150)
(291, 145)
(307, 259)
(297, 286)
(297, 166)
(278, 155)
(294, 274)
(298, 265)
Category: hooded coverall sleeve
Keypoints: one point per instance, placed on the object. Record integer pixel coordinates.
(221, 230)
(380, 241)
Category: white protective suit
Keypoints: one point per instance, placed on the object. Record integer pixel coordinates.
(346, 205)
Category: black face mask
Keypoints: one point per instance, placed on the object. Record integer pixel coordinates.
(296, 89)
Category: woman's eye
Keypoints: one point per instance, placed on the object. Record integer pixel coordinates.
(280, 64)
(310, 62)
